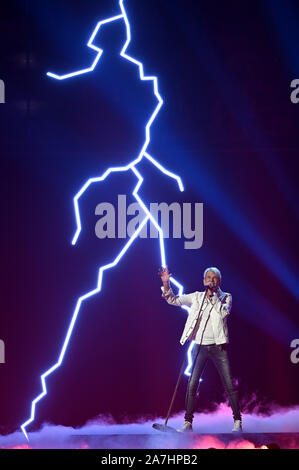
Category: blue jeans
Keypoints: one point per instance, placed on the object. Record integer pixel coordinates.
(218, 354)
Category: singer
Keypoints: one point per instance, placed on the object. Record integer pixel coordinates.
(206, 325)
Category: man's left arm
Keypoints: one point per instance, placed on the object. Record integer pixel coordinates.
(224, 305)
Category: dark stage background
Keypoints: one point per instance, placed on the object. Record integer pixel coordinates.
(227, 127)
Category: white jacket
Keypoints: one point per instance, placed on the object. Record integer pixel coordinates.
(219, 313)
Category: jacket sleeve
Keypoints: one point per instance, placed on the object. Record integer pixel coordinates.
(177, 300)
(224, 308)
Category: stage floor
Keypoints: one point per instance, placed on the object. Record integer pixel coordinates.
(210, 430)
(185, 441)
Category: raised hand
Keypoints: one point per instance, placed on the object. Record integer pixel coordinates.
(164, 274)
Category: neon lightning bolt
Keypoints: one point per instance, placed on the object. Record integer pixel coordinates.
(130, 166)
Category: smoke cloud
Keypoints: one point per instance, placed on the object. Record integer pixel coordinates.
(211, 429)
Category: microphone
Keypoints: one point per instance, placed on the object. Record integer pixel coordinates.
(210, 285)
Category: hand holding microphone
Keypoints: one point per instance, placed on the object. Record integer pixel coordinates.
(209, 287)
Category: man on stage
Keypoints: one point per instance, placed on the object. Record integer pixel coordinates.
(207, 326)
